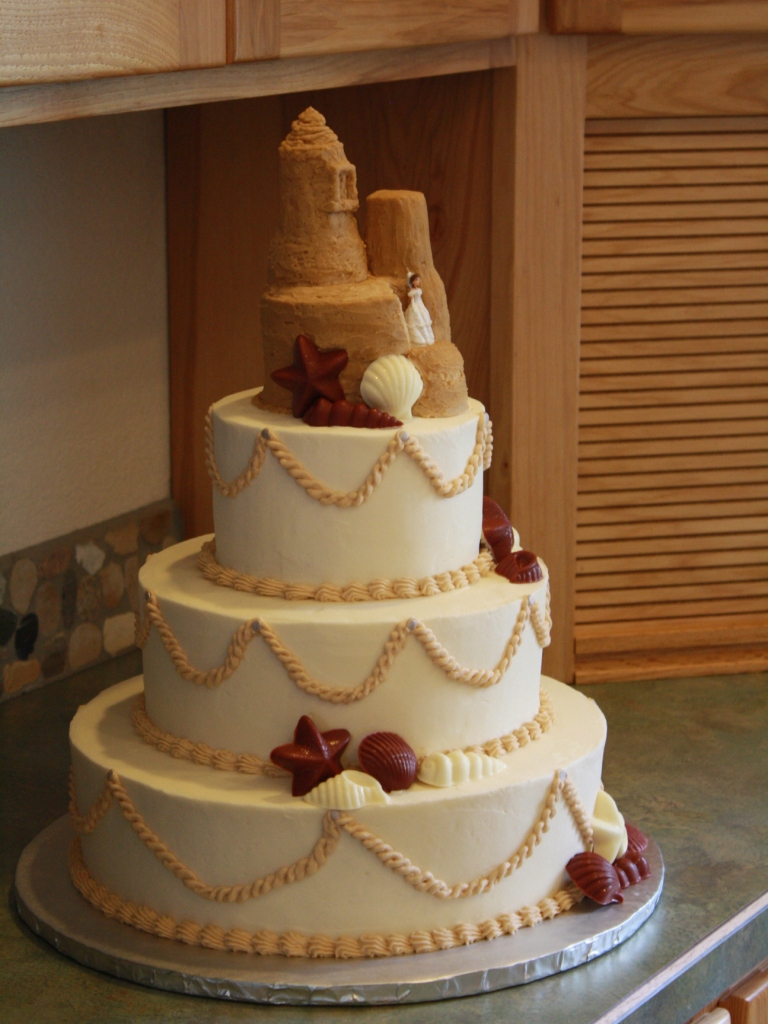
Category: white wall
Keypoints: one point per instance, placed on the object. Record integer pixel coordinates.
(84, 432)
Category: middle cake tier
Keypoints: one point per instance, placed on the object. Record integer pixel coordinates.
(236, 672)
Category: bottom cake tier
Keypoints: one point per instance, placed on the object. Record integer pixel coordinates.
(231, 860)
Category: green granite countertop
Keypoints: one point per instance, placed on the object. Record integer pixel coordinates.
(687, 760)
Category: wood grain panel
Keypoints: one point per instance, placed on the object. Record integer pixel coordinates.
(649, 546)
(648, 383)
(673, 450)
(674, 414)
(674, 229)
(253, 30)
(692, 453)
(748, 1003)
(712, 630)
(710, 561)
(677, 663)
(675, 261)
(681, 356)
(686, 331)
(682, 176)
(712, 435)
(537, 174)
(341, 26)
(667, 314)
(629, 478)
(54, 40)
(222, 180)
(706, 467)
(651, 610)
(222, 168)
(648, 17)
(681, 75)
(40, 103)
(202, 33)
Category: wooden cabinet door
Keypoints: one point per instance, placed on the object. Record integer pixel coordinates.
(58, 40)
(672, 510)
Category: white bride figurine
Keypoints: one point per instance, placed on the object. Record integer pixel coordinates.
(417, 318)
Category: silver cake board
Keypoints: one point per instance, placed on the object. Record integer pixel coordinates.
(48, 902)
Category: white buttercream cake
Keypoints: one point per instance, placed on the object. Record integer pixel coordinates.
(437, 786)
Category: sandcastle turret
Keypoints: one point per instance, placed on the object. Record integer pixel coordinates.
(397, 240)
(317, 240)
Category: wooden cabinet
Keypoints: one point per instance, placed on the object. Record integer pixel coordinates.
(63, 41)
(647, 17)
(44, 41)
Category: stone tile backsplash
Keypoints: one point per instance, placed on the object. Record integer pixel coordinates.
(71, 602)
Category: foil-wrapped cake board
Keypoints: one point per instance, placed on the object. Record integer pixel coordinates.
(48, 902)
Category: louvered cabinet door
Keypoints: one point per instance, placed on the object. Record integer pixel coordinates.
(672, 514)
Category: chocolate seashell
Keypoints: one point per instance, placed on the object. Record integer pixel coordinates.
(631, 869)
(520, 567)
(388, 758)
(595, 877)
(497, 529)
(636, 841)
(347, 414)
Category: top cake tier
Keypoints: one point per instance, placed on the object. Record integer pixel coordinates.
(342, 505)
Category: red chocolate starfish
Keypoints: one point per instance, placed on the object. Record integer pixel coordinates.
(313, 756)
(314, 374)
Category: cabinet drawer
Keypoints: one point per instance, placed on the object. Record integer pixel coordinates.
(58, 40)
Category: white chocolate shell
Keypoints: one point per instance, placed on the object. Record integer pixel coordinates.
(609, 830)
(455, 767)
(393, 384)
(347, 792)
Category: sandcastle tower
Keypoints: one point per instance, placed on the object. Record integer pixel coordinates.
(320, 282)
(317, 241)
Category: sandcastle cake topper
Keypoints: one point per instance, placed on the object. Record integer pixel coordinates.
(373, 299)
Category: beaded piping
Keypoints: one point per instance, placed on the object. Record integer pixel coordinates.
(251, 764)
(376, 590)
(267, 943)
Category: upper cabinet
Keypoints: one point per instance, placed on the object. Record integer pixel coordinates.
(66, 40)
(62, 40)
(651, 17)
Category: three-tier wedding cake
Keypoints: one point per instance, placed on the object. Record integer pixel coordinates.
(342, 744)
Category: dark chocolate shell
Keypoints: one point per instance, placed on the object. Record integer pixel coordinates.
(628, 872)
(520, 567)
(497, 529)
(389, 759)
(636, 841)
(631, 869)
(595, 877)
(347, 414)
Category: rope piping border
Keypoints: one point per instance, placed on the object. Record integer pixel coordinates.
(267, 943)
(377, 590)
(332, 822)
(325, 495)
(251, 764)
(437, 653)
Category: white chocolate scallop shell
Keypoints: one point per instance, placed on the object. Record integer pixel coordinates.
(608, 828)
(393, 384)
(347, 791)
(455, 767)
